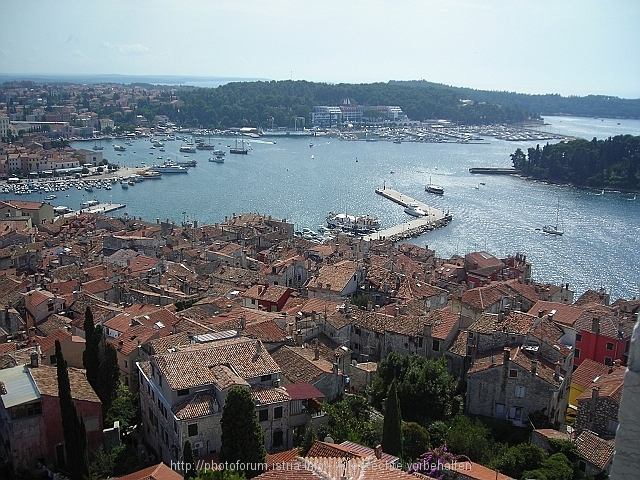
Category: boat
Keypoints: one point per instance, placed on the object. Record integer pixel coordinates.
(553, 229)
(414, 210)
(432, 188)
(50, 197)
(204, 146)
(188, 163)
(169, 167)
(353, 223)
(90, 203)
(123, 184)
(188, 149)
(119, 148)
(241, 151)
(397, 140)
(150, 175)
(217, 159)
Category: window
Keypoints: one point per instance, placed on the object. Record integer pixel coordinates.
(126, 364)
(265, 378)
(193, 429)
(263, 415)
(277, 438)
(609, 346)
(277, 412)
(357, 330)
(470, 334)
(183, 392)
(435, 345)
(578, 337)
(608, 361)
(52, 360)
(92, 424)
(582, 466)
(520, 391)
(513, 374)
(577, 354)
(419, 342)
(499, 408)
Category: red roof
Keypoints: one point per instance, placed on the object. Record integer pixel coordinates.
(156, 472)
(302, 391)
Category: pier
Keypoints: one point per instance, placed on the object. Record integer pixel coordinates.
(494, 170)
(413, 227)
(101, 208)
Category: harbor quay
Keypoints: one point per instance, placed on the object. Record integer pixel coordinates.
(433, 219)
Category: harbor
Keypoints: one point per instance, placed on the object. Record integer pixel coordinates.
(430, 220)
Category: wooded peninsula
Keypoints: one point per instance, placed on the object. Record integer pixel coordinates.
(610, 163)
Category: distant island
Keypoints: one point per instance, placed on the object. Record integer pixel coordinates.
(611, 163)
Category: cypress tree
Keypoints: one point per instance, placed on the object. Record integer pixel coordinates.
(108, 375)
(242, 436)
(73, 429)
(91, 354)
(189, 461)
(392, 427)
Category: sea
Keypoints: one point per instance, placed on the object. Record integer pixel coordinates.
(503, 215)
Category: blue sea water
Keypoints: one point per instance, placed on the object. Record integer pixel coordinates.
(503, 216)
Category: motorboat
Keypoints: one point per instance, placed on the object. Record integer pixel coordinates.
(188, 149)
(353, 223)
(169, 167)
(414, 210)
(217, 159)
(119, 148)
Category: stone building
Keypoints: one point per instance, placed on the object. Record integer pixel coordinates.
(598, 406)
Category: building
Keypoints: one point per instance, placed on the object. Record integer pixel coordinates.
(270, 298)
(183, 393)
(595, 454)
(31, 426)
(39, 304)
(582, 379)
(38, 211)
(598, 406)
(603, 336)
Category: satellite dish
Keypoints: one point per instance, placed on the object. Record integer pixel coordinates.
(328, 440)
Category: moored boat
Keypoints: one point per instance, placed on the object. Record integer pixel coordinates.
(414, 210)
(353, 223)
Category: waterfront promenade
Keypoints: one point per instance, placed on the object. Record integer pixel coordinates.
(414, 226)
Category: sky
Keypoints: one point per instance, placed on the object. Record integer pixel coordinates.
(568, 47)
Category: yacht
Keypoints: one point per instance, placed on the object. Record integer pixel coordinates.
(432, 188)
(168, 167)
(414, 210)
(359, 223)
(217, 159)
(188, 149)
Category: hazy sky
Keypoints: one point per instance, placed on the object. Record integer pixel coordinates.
(570, 47)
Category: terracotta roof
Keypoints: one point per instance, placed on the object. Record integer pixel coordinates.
(269, 293)
(609, 385)
(442, 322)
(369, 452)
(480, 472)
(131, 338)
(298, 365)
(49, 342)
(265, 395)
(518, 357)
(594, 449)
(163, 344)
(46, 379)
(459, 344)
(553, 434)
(611, 325)
(588, 371)
(482, 297)
(192, 365)
(564, 314)
(514, 322)
(156, 472)
(199, 405)
(278, 460)
(324, 449)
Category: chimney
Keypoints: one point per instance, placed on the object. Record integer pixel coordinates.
(378, 452)
(33, 356)
(556, 375)
(595, 392)
(316, 351)
(501, 316)
(369, 306)
(335, 369)
(258, 348)
(595, 325)
(427, 330)
(396, 312)
(507, 356)
(534, 367)
(243, 322)
(540, 313)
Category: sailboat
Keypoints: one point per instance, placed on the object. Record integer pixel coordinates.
(242, 151)
(553, 229)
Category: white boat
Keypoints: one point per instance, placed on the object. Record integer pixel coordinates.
(123, 184)
(50, 197)
(414, 210)
(188, 149)
(217, 159)
(169, 167)
(432, 188)
(554, 229)
(119, 148)
(90, 203)
(353, 223)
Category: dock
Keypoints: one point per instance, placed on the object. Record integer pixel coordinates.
(414, 226)
(494, 170)
(102, 208)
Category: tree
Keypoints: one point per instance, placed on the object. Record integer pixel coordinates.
(392, 430)
(517, 459)
(123, 409)
(91, 355)
(556, 467)
(189, 461)
(467, 436)
(242, 436)
(73, 429)
(415, 440)
(108, 376)
(309, 439)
